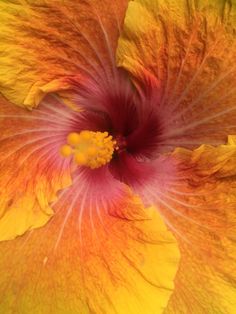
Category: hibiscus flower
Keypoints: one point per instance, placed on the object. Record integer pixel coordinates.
(117, 157)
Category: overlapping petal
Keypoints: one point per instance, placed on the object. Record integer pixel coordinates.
(88, 261)
(99, 249)
(187, 50)
(102, 251)
(199, 208)
(32, 172)
(43, 43)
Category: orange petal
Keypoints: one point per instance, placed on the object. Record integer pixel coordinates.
(31, 168)
(87, 261)
(44, 42)
(190, 49)
(200, 209)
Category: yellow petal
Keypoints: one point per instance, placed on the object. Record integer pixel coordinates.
(43, 42)
(189, 47)
(89, 262)
(32, 171)
(200, 209)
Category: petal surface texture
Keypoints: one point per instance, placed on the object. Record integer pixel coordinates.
(90, 262)
(200, 210)
(32, 171)
(188, 48)
(44, 42)
(99, 249)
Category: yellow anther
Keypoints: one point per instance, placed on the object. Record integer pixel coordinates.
(90, 149)
(80, 159)
(66, 150)
(85, 135)
(73, 138)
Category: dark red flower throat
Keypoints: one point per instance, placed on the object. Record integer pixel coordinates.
(133, 121)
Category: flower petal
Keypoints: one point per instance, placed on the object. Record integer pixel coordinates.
(200, 209)
(189, 47)
(31, 168)
(87, 261)
(44, 41)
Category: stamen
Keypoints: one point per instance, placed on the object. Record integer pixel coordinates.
(66, 150)
(90, 149)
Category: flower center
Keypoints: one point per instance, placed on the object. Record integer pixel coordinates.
(121, 145)
(90, 149)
